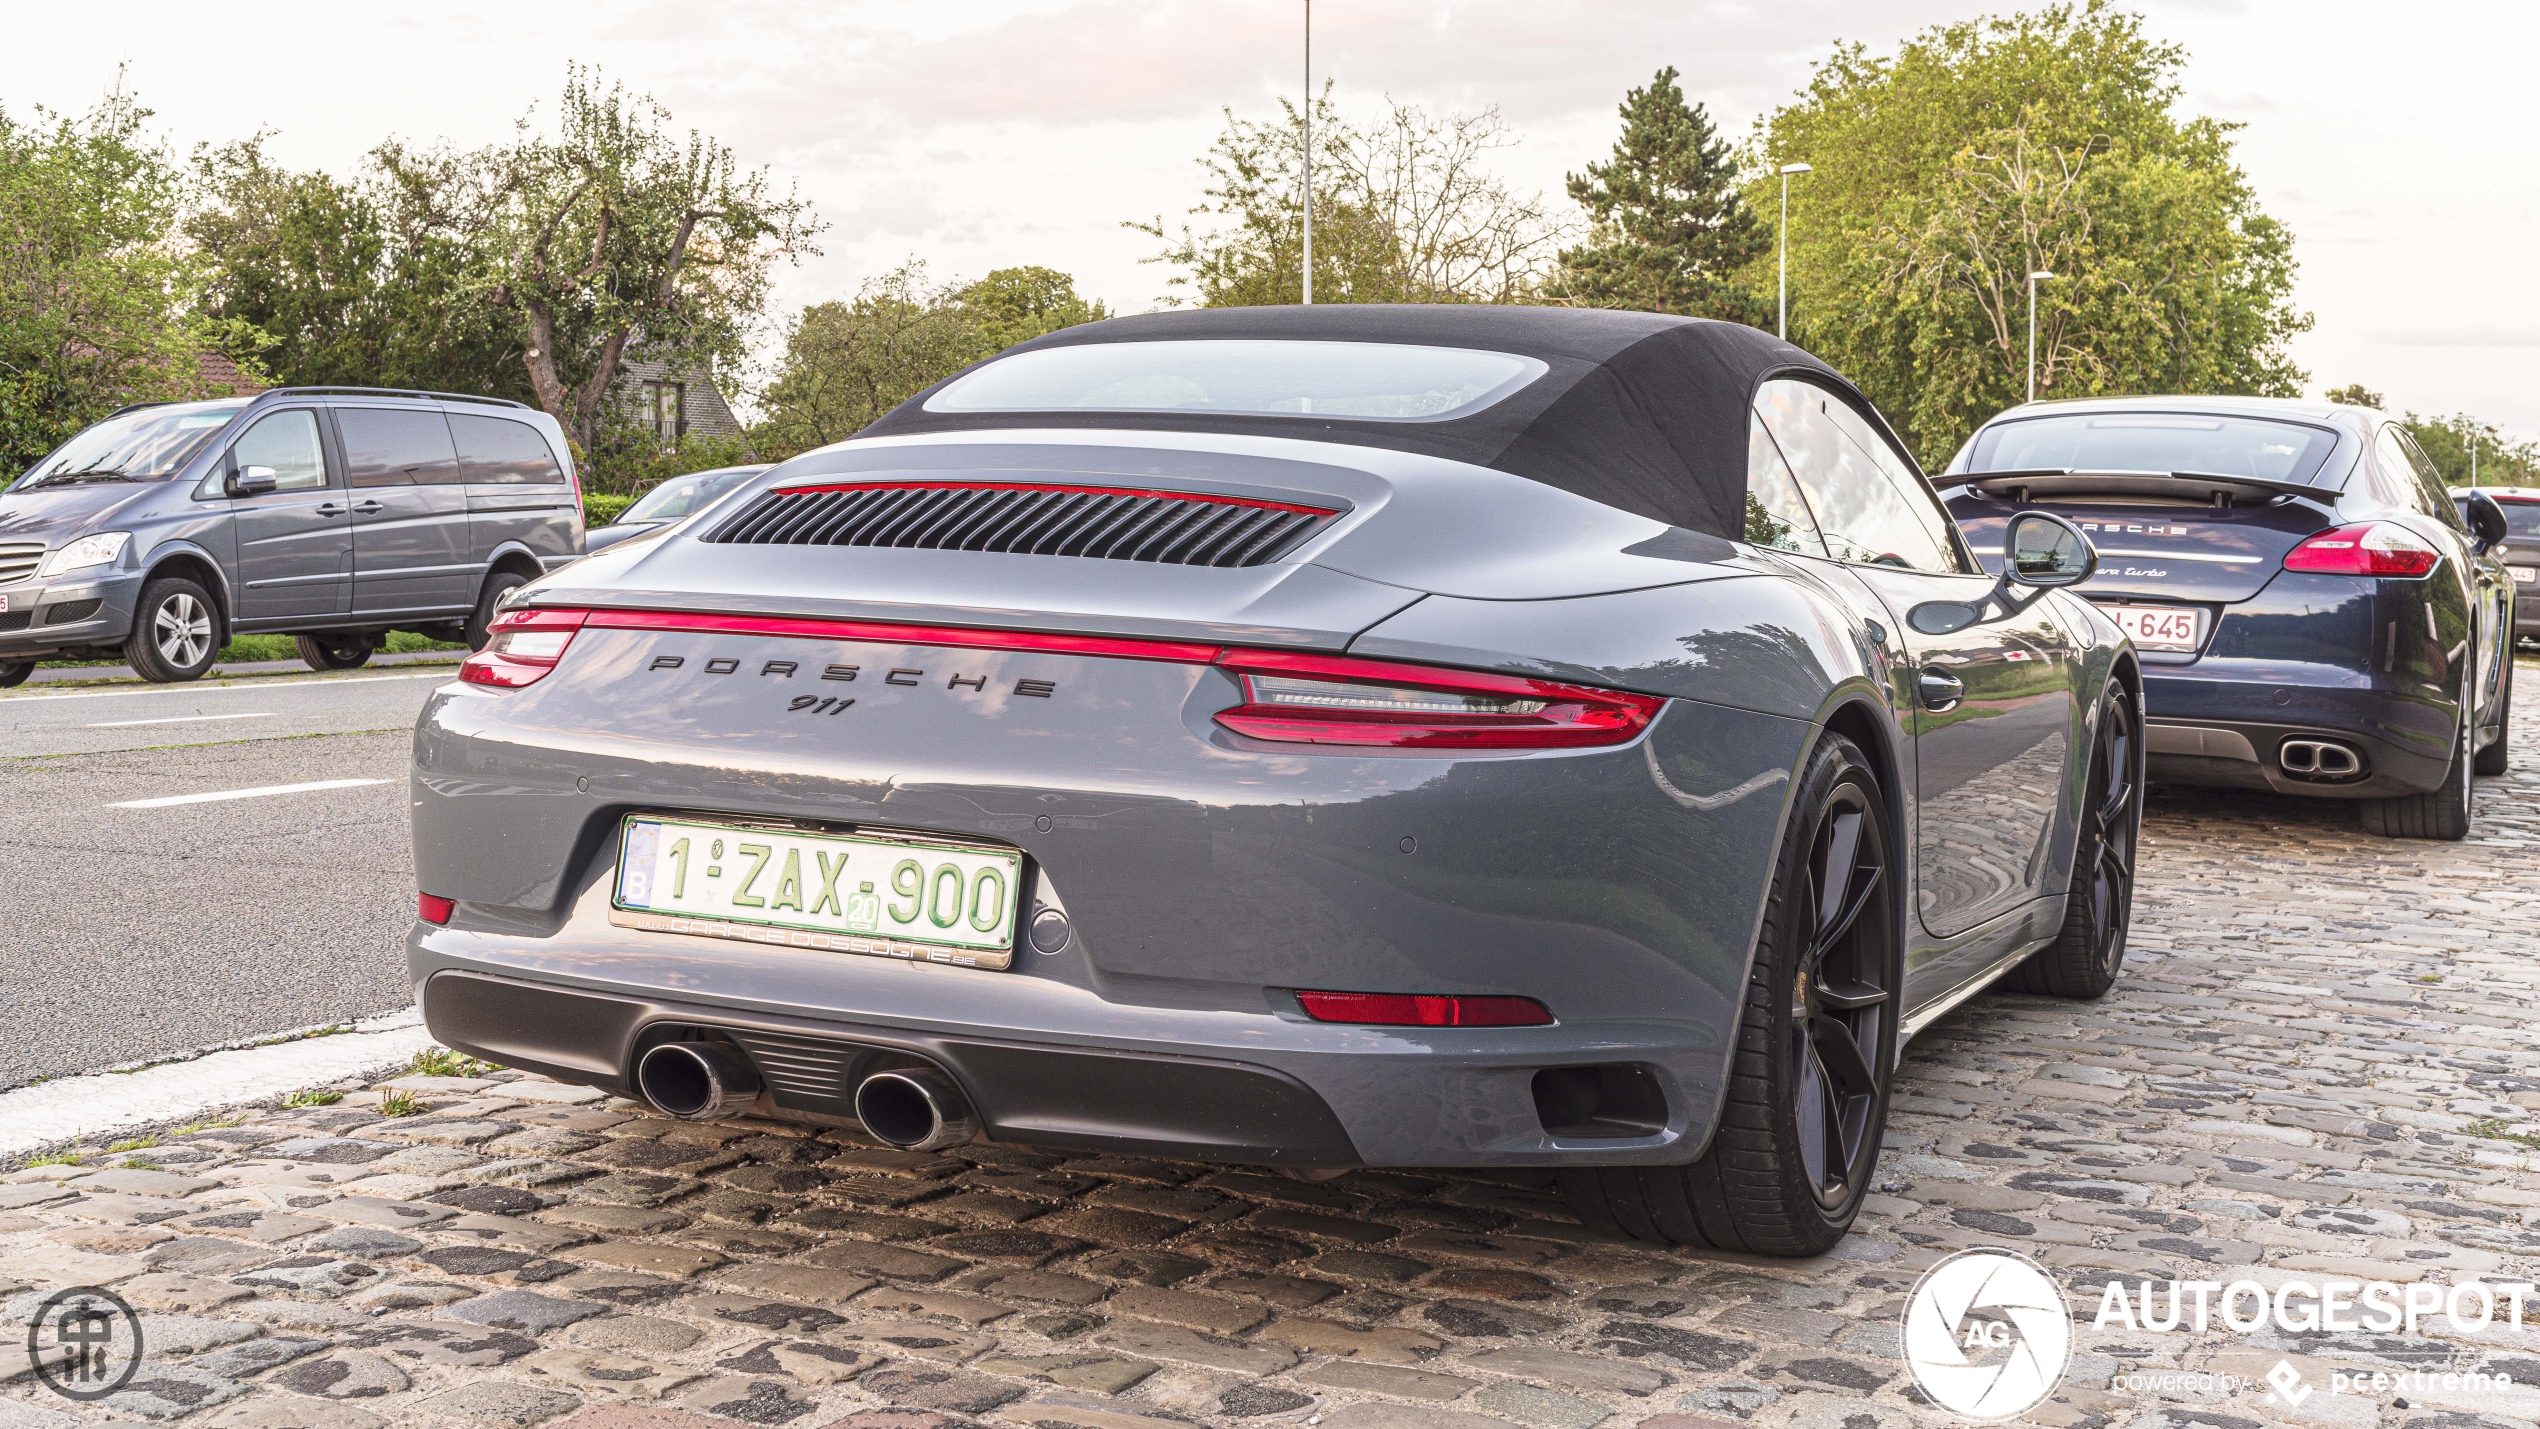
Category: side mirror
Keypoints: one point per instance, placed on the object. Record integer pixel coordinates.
(2486, 520)
(252, 481)
(2046, 551)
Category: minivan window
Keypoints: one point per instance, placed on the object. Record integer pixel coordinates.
(2203, 443)
(288, 443)
(146, 445)
(1364, 381)
(500, 449)
(385, 446)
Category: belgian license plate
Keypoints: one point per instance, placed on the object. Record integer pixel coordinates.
(2523, 575)
(2157, 627)
(895, 897)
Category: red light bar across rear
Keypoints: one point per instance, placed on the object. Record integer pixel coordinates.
(1401, 1009)
(1290, 696)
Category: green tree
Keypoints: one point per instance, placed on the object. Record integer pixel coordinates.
(351, 283)
(1670, 231)
(2450, 441)
(1406, 210)
(96, 306)
(608, 233)
(1984, 151)
(1014, 305)
(847, 363)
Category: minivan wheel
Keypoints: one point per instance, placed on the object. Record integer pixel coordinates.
(175, 632)
(2441, 813)
(14, 675)
(1799, 1132)
(331, 650)
(497, 585)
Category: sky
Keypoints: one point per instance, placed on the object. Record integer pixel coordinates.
(2400, 145)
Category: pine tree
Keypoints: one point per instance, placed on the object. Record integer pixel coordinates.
(1670, 229)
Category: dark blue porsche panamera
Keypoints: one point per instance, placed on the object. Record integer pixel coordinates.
(2315, 612)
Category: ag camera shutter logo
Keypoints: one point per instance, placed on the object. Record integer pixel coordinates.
(1987, 1333)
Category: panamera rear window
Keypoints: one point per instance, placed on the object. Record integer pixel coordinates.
(1363, 381)
(2208, 445)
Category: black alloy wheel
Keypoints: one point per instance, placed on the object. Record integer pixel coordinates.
(2495, 758)
(2085, 958)
(1798, 1137)
(1839, 998)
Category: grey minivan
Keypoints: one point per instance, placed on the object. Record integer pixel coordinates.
(333, 514)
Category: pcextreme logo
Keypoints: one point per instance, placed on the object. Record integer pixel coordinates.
(1987, 1333)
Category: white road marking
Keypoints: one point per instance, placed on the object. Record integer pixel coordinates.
(175, 799)
(178, 719)
(266, 682)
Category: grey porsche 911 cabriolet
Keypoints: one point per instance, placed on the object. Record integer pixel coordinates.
(1308, 737)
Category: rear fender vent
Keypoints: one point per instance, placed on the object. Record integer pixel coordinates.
(1020, 518)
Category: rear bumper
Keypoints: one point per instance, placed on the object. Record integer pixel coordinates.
(86, 609)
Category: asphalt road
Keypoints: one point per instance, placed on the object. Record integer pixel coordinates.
(127, 933)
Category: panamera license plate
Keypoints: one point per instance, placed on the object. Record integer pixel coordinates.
(894, 897)
(2523, 575)
(2157, 627)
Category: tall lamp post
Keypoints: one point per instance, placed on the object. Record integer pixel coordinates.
(2033, 280)
(1782, 328)
(1309, 153)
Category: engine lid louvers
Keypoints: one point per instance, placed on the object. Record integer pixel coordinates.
(1026, 518)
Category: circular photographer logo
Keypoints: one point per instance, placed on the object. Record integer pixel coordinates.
(1987, 1333)
(85, 1343)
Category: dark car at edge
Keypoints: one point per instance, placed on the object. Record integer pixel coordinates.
(2316, 615)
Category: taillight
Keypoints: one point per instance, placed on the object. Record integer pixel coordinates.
(2374, 548)
(524, 646)
(1324, 699)
(433, 908)
(1398, 1009)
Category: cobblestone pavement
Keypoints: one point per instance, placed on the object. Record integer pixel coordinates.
(2316, 1064)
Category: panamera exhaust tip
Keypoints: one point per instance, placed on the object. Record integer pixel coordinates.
(915, 1109)
(697, 1081)
(2319, 758)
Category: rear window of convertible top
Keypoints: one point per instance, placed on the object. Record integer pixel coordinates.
(1364, 381)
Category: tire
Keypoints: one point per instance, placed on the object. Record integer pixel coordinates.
(328, 650)
(497, 585)
(1798, 1138)
(176, 632)
(2442, 813)
(2493, 759)
(2086, 956)
(14, 675)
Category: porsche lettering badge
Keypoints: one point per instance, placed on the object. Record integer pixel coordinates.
(833, 705)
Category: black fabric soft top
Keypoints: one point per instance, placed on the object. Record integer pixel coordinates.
(1641, 411)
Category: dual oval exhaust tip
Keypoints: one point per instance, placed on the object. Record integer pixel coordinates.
(907, 1108)
(2319, 758)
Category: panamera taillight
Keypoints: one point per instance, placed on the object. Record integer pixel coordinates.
(523, 646)
(1295, 698)
(2373, 548)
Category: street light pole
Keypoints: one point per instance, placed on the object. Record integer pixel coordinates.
(1309, 153)
(1782, 328)
(2032, 330)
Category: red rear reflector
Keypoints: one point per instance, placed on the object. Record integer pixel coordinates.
(523, 646)
(1329, 699)
(1400, 1009)
(433, 908)
(2374, 548)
